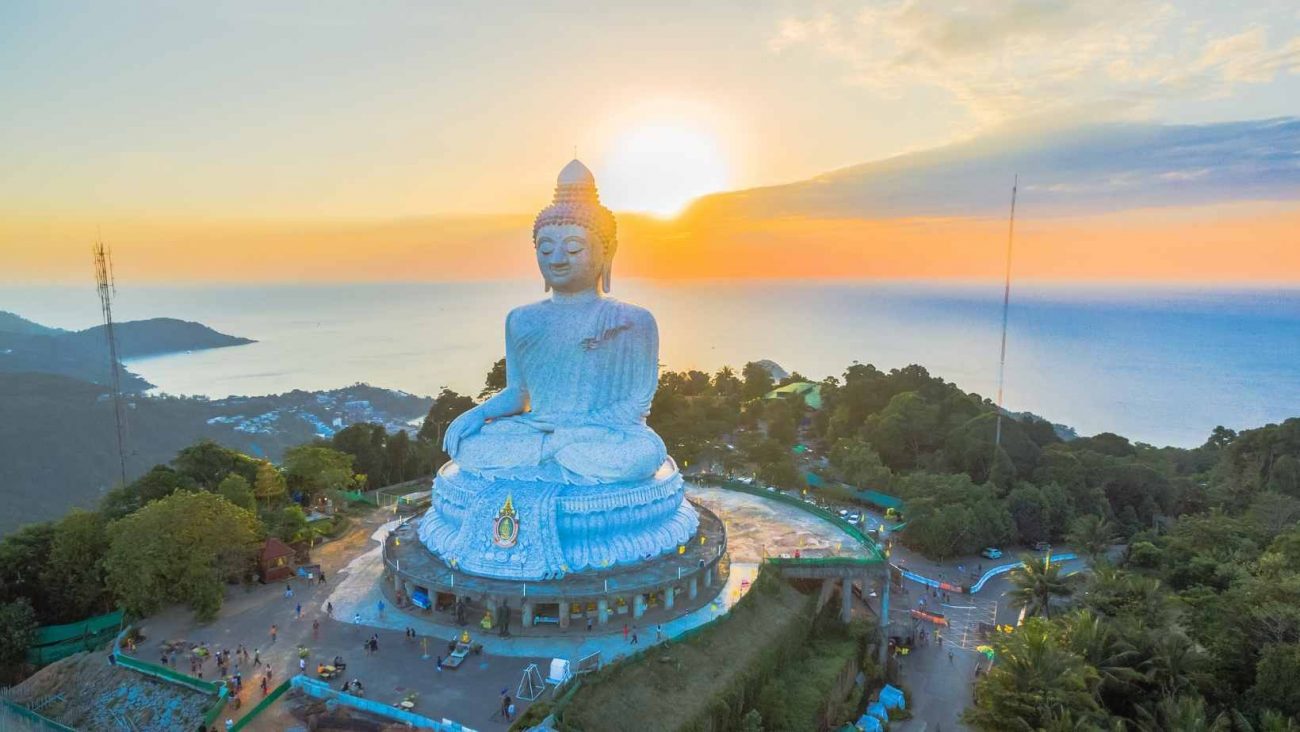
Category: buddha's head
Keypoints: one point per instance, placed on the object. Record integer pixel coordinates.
(575, 237)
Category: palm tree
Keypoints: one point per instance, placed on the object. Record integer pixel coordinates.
(1035, 684)
(1035, 583)
(1104, 648)
(1172, 664)
(1182, 713)
(1092, 535)
(1113, 592)
(1272, 721)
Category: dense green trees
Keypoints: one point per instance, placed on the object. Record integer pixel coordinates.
(858, 464)
(311, 470)
(17, 630)
(207, 464)
(383, 457)
(949, 515)
(1199, 625)
(73, 572)
(236, 489)
(182, 548)
(270, 488)
(757, 381)
(179, 533)
(496, 379)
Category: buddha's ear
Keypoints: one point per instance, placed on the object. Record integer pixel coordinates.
(604, 276)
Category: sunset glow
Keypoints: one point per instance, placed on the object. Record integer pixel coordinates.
(659, 168)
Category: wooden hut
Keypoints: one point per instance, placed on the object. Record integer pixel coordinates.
(276, 560)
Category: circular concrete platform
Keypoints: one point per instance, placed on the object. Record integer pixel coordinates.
(653, 591)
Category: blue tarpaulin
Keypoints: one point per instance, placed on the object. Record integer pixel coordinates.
(892, 697)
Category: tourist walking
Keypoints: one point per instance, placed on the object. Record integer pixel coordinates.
(588, 624)
(329, 609)
(439, 664)
(257, 658)
(624, 631)
(288, 591)
(659, 632)
(275, 630)
(315, 629)
(297, 611)
(950, 657)
(302, 665)
(321, 580)
(381, 608)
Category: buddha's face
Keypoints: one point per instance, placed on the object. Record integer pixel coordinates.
(569, 256)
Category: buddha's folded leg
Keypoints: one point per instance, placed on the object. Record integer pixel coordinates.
(600, 455)
(502, 443)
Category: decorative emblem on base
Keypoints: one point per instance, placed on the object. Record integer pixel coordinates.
(505, 529)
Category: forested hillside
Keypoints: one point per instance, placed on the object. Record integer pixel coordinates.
(58, 446)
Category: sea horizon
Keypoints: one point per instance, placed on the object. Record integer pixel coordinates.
(1097, 357)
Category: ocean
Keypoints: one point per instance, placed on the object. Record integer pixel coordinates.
(1160, 365)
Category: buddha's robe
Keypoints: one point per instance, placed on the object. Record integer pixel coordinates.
(589, 370)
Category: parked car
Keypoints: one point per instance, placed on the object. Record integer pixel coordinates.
(991, 553)
(1042, 546)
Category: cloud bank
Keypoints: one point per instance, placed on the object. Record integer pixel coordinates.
(1006, 60)
(1092, 169)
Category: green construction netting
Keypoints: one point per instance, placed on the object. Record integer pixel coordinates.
(51, 634)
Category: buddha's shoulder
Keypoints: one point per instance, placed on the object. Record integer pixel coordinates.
(634, 313)
(534, 311)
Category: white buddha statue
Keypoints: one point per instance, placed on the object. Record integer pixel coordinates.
(581, 367)
(558, 472)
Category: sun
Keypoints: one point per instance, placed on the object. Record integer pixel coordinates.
(660, 168)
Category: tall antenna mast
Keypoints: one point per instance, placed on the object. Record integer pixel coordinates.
(107, 288)
(1006, 304)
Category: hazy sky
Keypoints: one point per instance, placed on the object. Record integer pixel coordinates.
(318, 109)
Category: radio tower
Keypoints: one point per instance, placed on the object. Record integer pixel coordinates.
(107, 290)
(1006, 303)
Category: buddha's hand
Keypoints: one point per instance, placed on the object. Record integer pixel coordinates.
(467, 424)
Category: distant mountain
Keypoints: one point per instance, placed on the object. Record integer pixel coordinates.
(1107, 167)
(157, 336)
(13, 323)
(29, 347)
(58, 447)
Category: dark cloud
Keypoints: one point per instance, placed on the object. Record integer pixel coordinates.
(1105, 167)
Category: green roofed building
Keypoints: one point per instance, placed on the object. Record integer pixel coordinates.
(810, 393)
